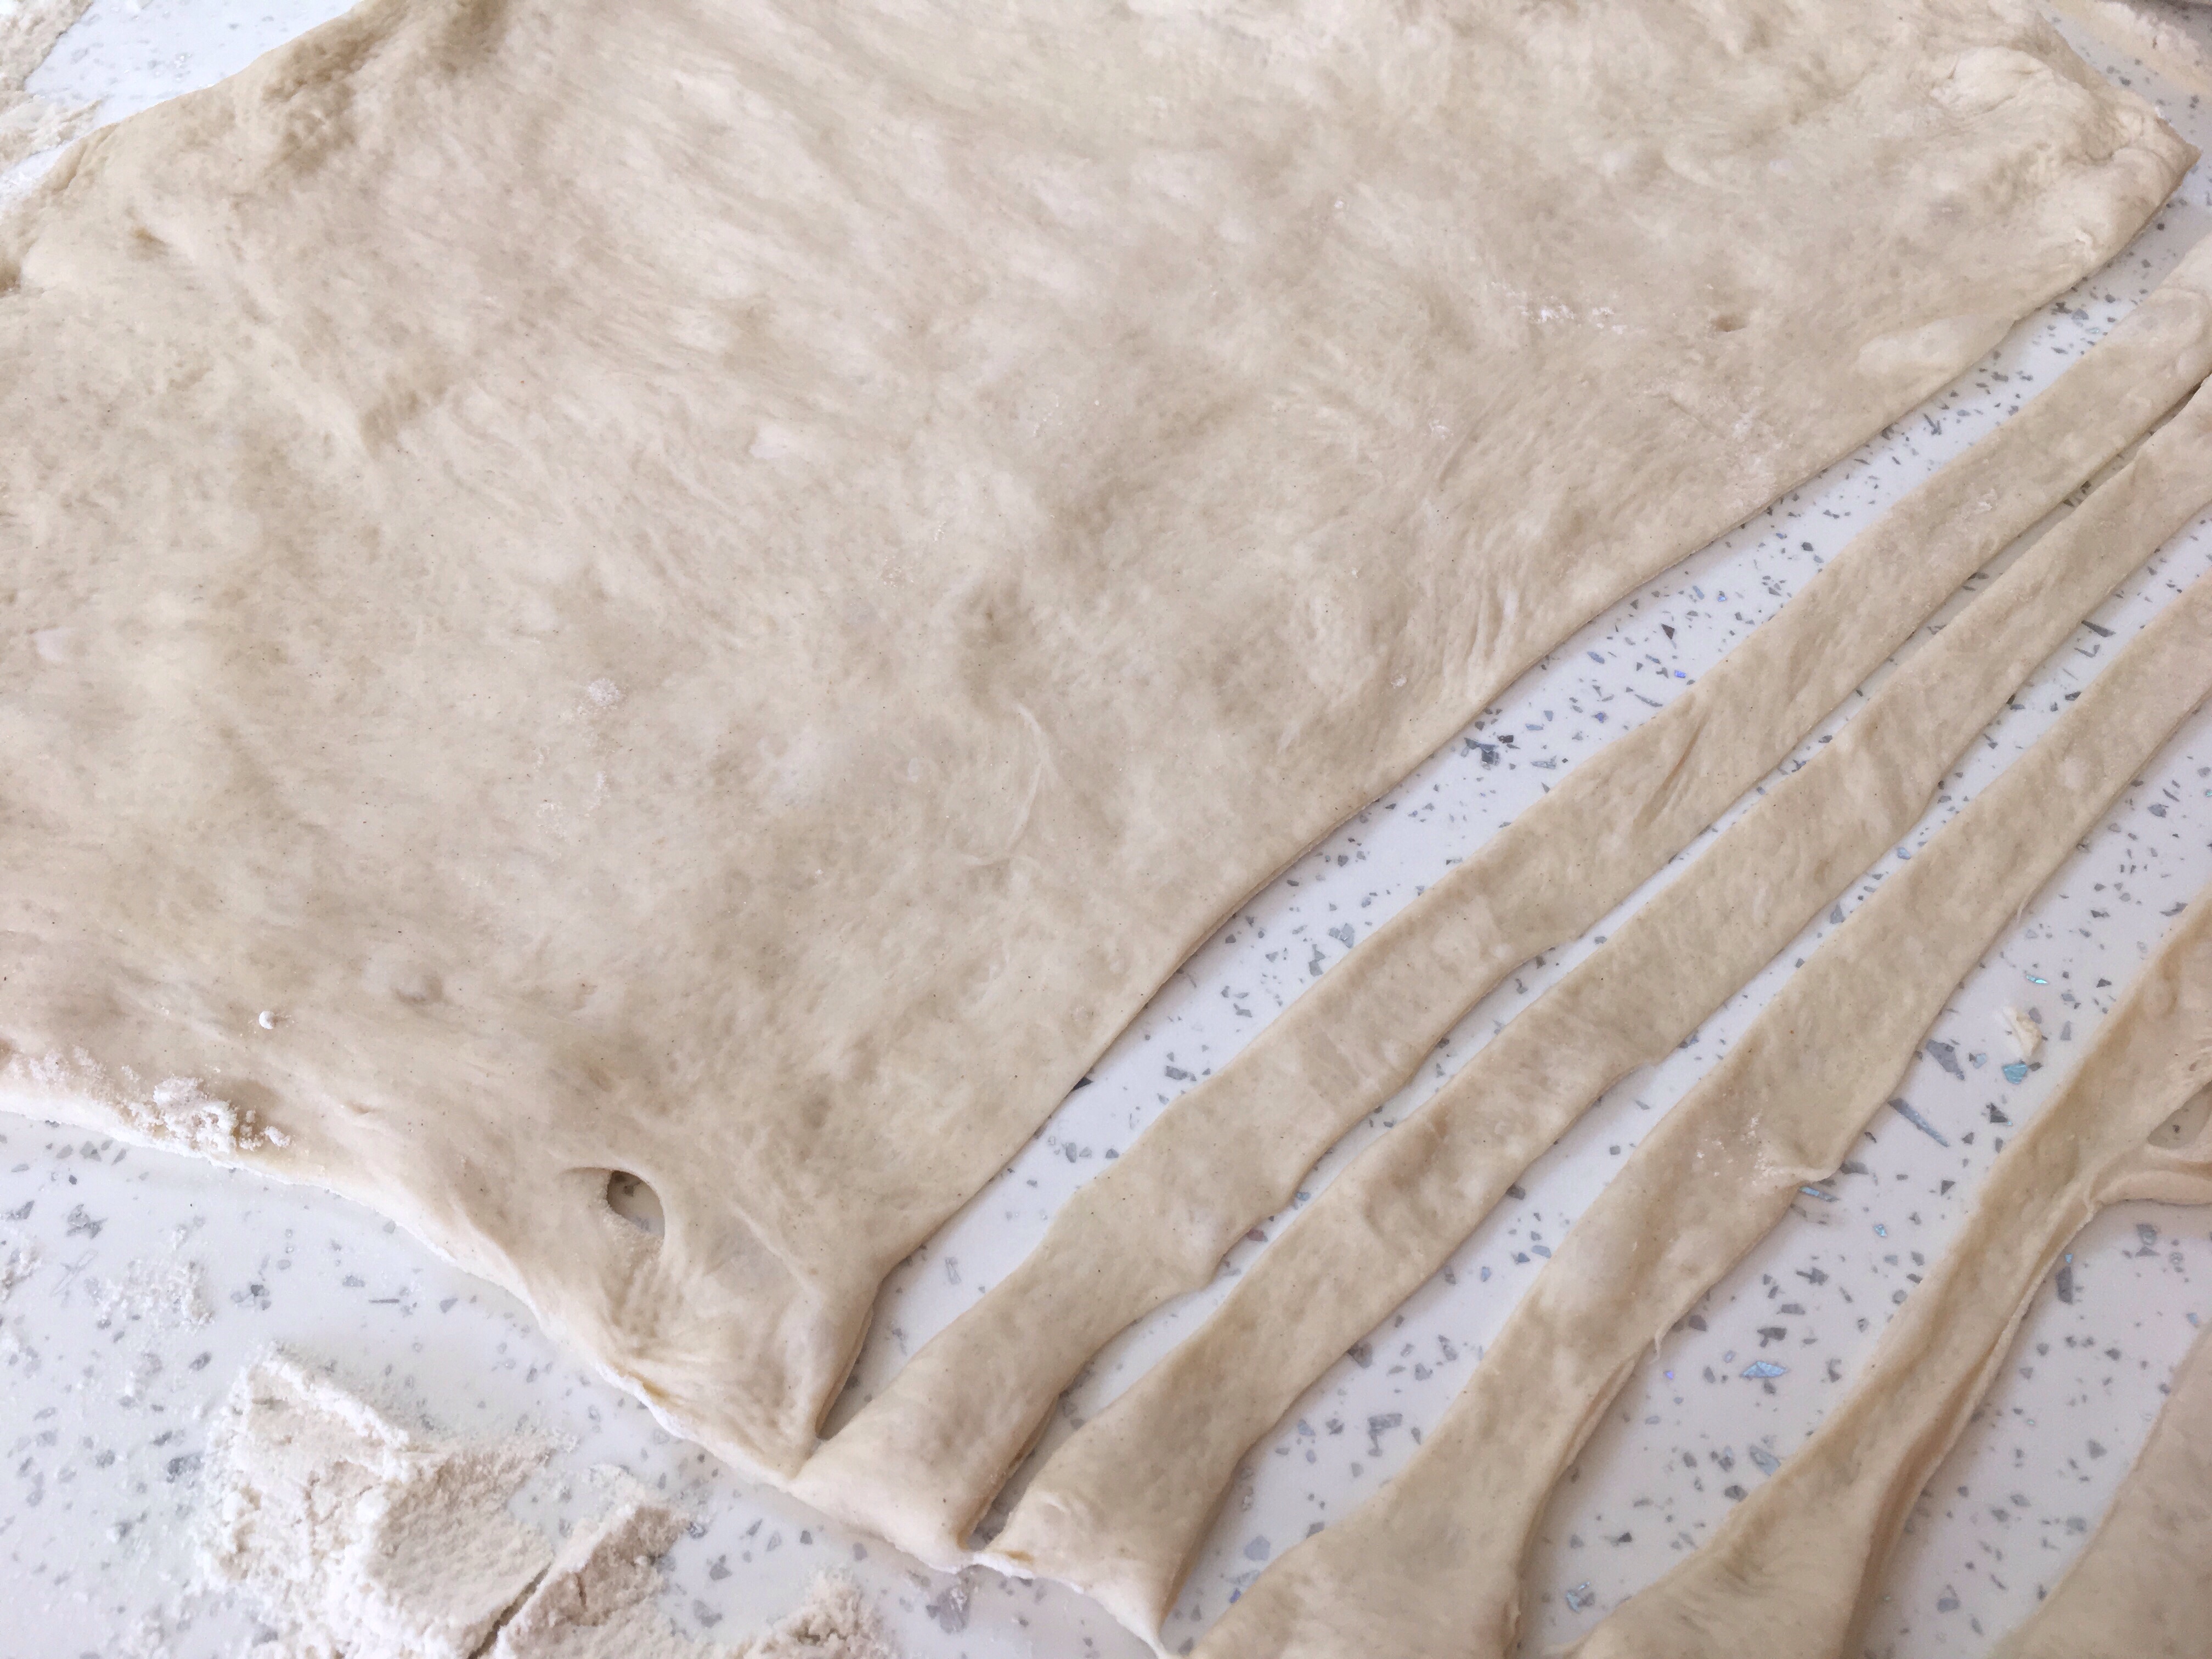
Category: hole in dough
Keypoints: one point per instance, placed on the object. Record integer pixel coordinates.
(632, 1198)
(2187, 1126)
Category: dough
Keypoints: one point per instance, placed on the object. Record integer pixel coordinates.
(2140, 1590)
(1431, 1564)
(720, 591)
(1123, 1506)
(920, 1464)
(1796, 1566)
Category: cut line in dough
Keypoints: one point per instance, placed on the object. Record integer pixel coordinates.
(1432, 1564)
(1796, 1566)
(1122, 1507)
(922, 1460)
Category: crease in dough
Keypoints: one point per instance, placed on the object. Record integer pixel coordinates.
(2140, 1590)
(921, 1462)
(709, 597)
(1796, 1566)
(1432, 1564)
(1122, 1509)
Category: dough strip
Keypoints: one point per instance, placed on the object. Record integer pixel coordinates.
(1795, 1567)
(1122, 1508)
(921, 1463)
(1432, 1564)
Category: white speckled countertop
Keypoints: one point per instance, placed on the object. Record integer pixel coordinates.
(134, 1285)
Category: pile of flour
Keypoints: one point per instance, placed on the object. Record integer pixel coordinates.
(361, 1539)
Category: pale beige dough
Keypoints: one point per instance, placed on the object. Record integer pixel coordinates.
(1796, 1567)
(1432, 1564)
(922, 1462)
(1122, 1507)
(2140, 1590)
(722, 590)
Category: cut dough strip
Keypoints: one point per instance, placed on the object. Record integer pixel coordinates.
(1794, 1567)
(2140, 1590)
(922, 1462)
(1432, 1564)
(1123, 1506)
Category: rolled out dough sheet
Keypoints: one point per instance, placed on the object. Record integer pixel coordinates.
(721, 591)
(2140, 1590)
(1432, 1564)
(922, 1461)
(1796, 1567)
(1122, 1507)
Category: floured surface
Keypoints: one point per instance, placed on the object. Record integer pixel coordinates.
(360, 1539)
(597, 1600)
(357, 1538)
(760, 706)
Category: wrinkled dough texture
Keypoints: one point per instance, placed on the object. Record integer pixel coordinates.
(722, 592)
(921, 1461)
(1431, 1564)
(2140, 1590)
(1797, 1566)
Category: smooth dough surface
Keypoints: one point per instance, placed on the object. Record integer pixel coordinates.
(1432, 1564)
(2140, 1590)
(921, 1463)
(1122, 1509)
(721, 590)
(1795, 1567)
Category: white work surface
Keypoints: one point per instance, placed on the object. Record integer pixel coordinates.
(110, 1378)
